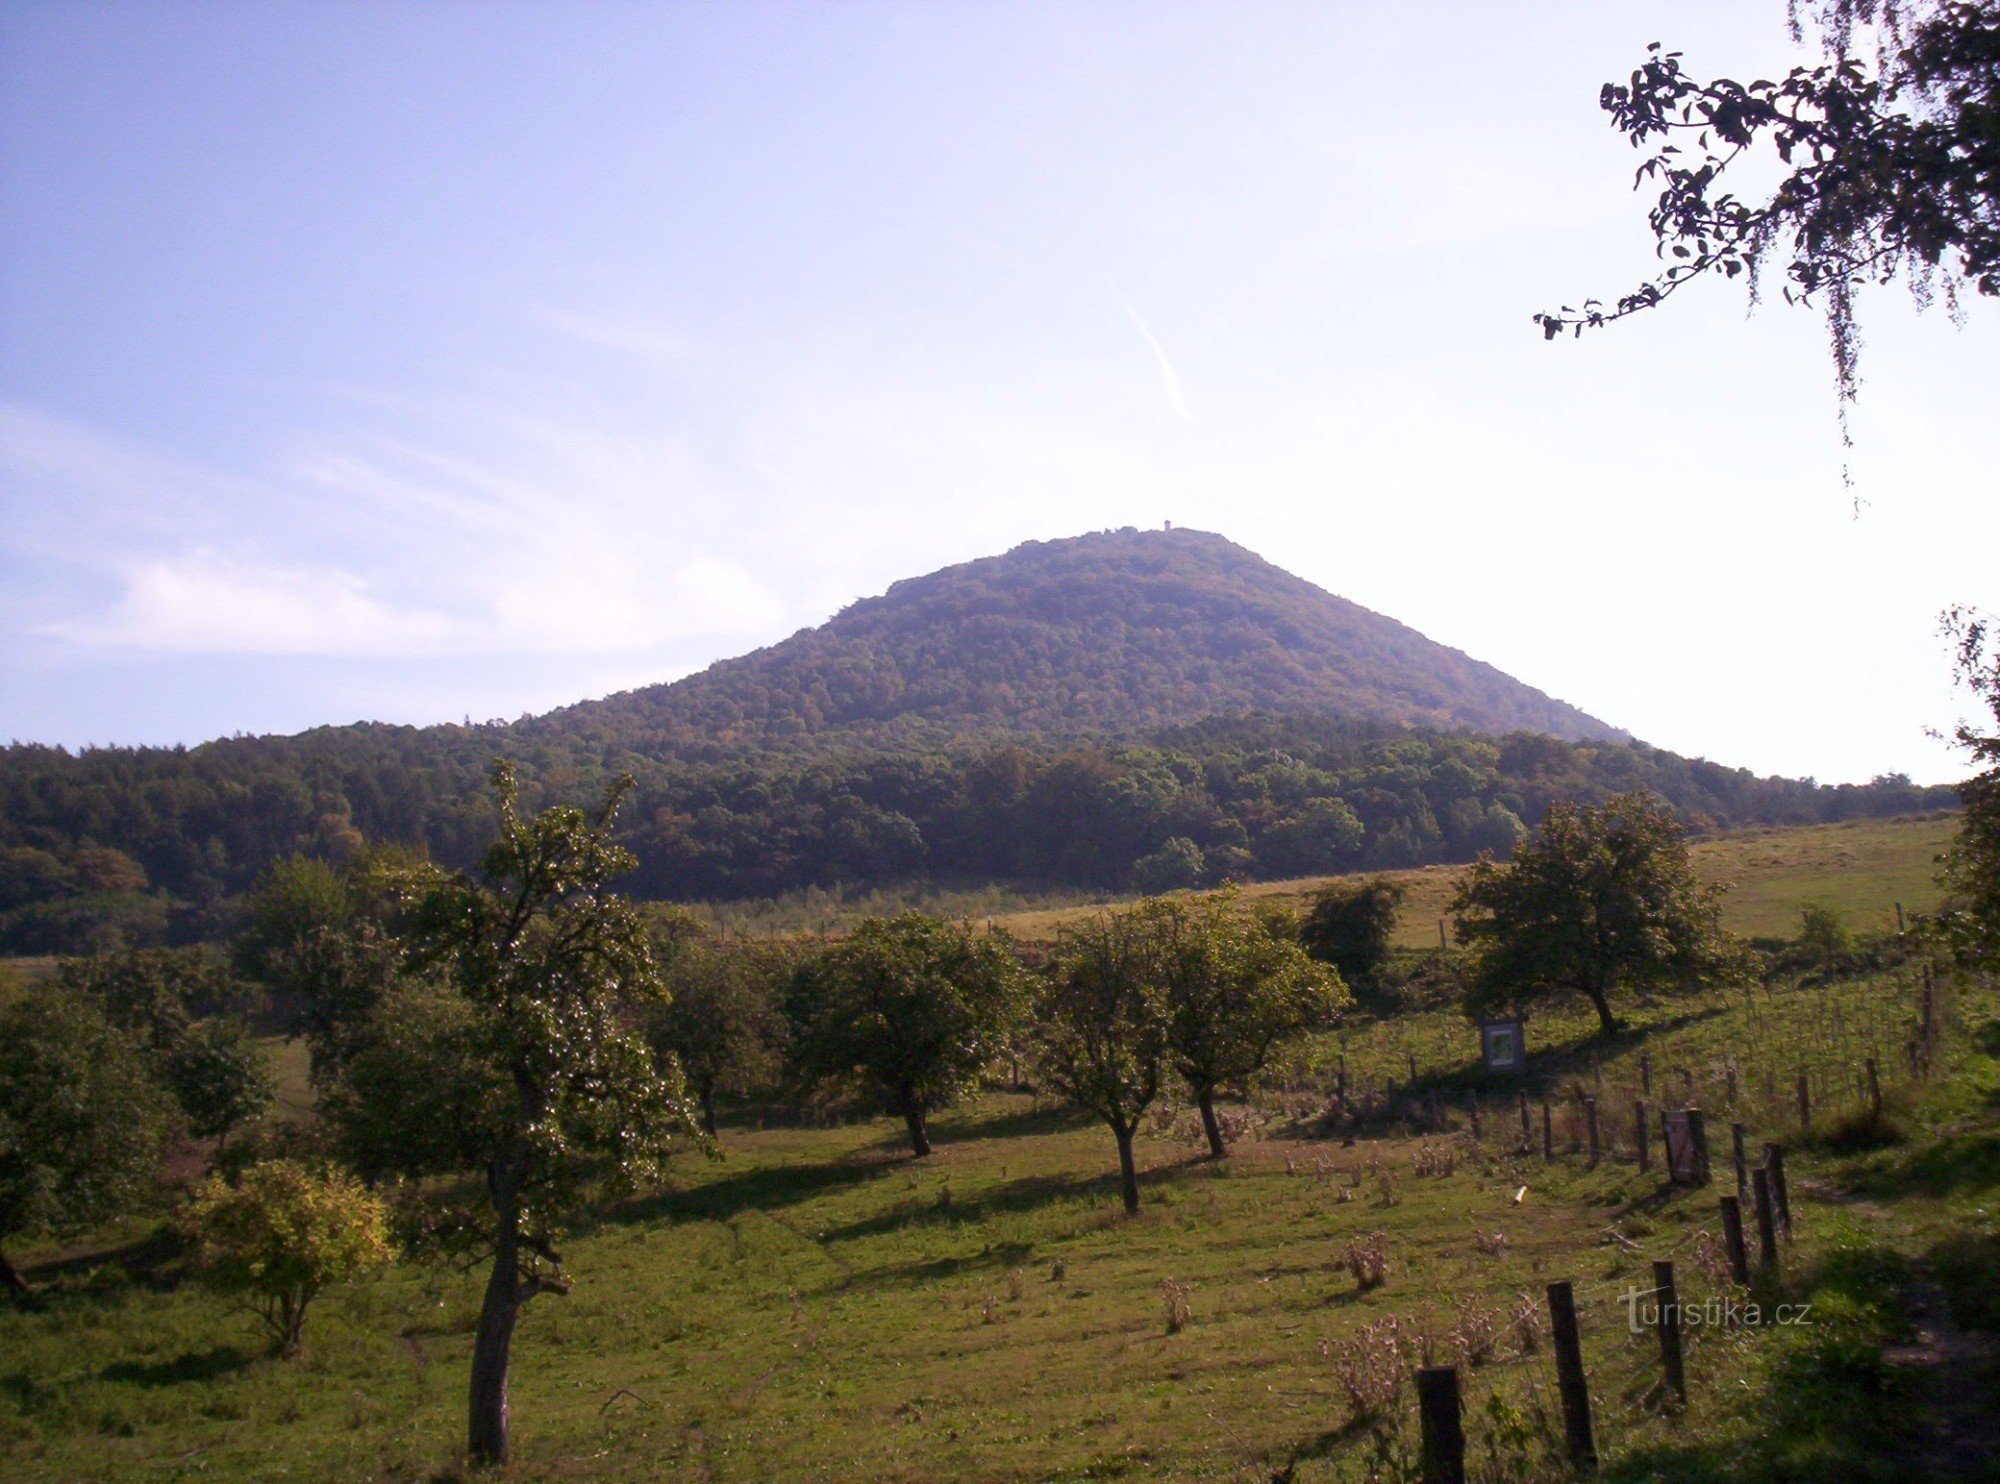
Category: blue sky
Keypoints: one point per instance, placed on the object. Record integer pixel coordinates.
(412, 361)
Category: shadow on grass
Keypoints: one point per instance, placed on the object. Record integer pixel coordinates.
(1055, 1119)
(766, 1188)
(196, 1365)
(1001, 1255)
(1953, 1164)
(1029, 1193)
(154, 1262)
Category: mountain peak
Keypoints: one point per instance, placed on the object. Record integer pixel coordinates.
(1108, 632)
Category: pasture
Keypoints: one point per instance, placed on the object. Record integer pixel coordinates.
(814, 1304)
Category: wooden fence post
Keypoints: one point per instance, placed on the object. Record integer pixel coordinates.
(1729, 1077)
(1698, 1136)
(1646, 1073)
(1774, 1161)
(1732, 1238)
(1670, 1328)
(1548, 1133)
(1444, 1425)
(1570, 1382)
(1767, 1219)
(1640, 1138)
(1527, 1134)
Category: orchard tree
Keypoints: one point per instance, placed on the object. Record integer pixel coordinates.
(725, 1022)
(323, 940)
(1973, 867)
(1101, 1025)
(1235, 993)
(1350, 925)
(1600, 901)
(1889, 166)
(281, 1235)
(916, 1007)
(82, 1119)
(186, 1009)
(510, 1050)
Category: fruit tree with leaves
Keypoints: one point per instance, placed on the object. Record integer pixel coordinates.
(1602, 901)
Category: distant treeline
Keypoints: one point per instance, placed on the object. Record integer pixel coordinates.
(122, 847)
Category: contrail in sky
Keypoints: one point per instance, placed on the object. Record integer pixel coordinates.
(1167, 373)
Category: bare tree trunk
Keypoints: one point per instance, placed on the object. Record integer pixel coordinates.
(1128, 1172)
(486, 1425)
(1205, 1100)
(10, 1279)
(708, 1107)
(1602, 1005)
(920, 1135)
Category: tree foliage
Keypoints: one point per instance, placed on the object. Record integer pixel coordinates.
(82, 1118)
(1892, 166)
(724, 1022)
(1101, 1027)
(1235, 994)
(1350, 925)
(1972, 912)
(510, 1050)
(1603, 900)
(186, 1009)
(282, 1234)
(916, 1007)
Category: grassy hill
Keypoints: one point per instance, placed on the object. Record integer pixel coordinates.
(1863, 867)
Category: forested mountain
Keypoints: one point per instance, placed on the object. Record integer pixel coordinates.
(937, 733)
(1103, 633)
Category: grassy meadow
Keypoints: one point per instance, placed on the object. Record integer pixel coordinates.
(1864, 867)
(814, 1304)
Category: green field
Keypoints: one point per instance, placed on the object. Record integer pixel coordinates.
(1864, 867)
(815, 1304)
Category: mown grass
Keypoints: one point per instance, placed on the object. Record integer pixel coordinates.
(817, 1305)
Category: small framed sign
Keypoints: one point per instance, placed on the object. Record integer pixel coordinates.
(1503, 1045)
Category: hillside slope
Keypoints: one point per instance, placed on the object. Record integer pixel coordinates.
(1102, 633)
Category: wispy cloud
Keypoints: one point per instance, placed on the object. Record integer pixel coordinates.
(1169, 378)
(645, 342)
(383, 548)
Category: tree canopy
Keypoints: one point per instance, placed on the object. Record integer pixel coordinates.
(1101, 1027)
(1349, 926)
(82, 1118)
(282, 1234)
(1891, 166)
(1236, 992)
(510, 1050)
(916, 1006)
(1973, 911)
(1600, 901)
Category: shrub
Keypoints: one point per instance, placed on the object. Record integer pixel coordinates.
(282, 1235)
